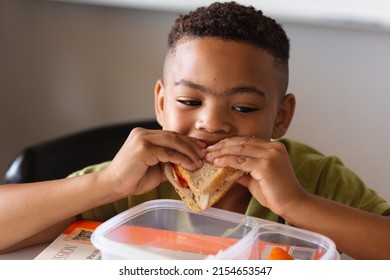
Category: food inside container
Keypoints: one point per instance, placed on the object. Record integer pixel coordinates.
(167, 229)
(299, 244)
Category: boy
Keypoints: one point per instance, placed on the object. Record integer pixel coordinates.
(222, 98)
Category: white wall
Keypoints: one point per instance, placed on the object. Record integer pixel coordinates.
(65, 67)
(341, 80)
(68, 67)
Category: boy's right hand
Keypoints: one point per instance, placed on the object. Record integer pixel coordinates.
(137, 167)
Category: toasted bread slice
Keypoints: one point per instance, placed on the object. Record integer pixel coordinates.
(202, 188)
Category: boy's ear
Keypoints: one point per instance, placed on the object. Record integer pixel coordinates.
(284, 117)
(159, 101)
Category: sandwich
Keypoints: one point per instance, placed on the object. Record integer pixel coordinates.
(202, 188)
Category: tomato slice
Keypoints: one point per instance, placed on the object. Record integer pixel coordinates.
(182, 182)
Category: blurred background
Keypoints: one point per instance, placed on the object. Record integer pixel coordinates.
(70, 65)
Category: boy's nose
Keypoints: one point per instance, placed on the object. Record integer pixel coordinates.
(214, 121)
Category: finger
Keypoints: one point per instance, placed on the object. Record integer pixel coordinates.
(250, 158)
(188, 146)
(237, 150)
(161, 145)
(244, 146)
(236, 145)
(245, 164)
(172, 137)
(165, 155)
(245, 180)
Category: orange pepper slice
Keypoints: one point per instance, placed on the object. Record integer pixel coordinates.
(278, 253)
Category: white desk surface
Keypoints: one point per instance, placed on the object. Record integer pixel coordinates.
(31, 252)
(24, 254)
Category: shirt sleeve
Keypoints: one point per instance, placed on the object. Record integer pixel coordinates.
(90, 169)
(328, 177)
(105, 212)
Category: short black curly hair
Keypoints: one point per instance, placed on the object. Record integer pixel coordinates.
(233, 21)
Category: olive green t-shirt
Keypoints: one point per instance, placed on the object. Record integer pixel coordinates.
(325, 176)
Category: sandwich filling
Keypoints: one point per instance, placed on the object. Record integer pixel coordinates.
(202, 188)
(180, 179)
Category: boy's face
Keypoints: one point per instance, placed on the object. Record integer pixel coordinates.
(214, 89)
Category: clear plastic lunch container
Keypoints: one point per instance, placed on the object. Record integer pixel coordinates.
(168, 229)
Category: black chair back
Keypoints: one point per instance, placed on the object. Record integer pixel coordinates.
(60, 157)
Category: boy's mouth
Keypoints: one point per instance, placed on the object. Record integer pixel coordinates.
(209, 142)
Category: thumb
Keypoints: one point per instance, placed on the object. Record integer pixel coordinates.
(244, 180)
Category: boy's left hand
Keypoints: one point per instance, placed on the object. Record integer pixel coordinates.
(269, 174)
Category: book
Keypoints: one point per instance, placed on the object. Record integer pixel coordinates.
(73, 244)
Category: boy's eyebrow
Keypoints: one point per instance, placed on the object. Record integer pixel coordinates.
(248, 89)
(234, 90)
(191, 85)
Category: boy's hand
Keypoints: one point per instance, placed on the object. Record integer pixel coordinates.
(270, 177)
(137, 169)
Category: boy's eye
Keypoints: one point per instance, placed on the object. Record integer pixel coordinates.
(190, 102)
(244, 109)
